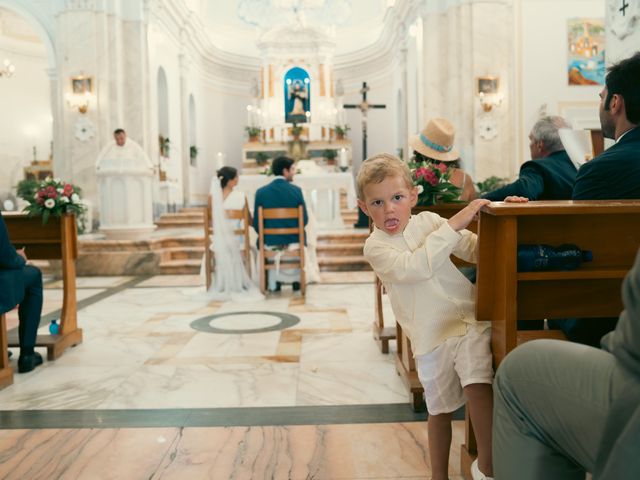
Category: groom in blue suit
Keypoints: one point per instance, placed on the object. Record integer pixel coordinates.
(280, 193)
(21, 284)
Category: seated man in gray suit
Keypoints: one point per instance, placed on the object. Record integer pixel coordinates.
(280, 193)
(550, 173)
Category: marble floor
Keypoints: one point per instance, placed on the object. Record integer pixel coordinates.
(174, 385)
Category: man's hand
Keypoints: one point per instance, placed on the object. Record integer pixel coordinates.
(22, 253)
(516, 199)
(465, 216)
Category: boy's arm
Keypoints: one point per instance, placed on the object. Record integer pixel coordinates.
(467, 247)
(404, 266)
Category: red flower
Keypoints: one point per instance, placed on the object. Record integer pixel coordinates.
(67, 190)
(431, 178)
(442, 167)
(421, 172)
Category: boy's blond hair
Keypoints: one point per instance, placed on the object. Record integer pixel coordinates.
(378, 167)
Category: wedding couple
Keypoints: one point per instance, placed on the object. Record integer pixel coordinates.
(231, 281)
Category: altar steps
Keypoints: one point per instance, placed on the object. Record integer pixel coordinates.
(184, 219)
(342, 251)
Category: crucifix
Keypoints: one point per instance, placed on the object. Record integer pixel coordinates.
(364, 106)
(623, 9)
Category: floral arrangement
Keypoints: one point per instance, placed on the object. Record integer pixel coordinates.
(54, 197)
(433, 183)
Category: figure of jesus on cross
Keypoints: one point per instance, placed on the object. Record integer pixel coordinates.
(364, 106)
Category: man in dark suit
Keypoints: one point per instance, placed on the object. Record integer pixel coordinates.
(280, 193)
(21, 284)
(615, 173)
(550, 173)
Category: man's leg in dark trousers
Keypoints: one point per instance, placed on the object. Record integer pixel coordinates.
(30, 309)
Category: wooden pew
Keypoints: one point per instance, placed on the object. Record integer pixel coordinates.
(610, 229)
(57, 240)
(6, 372)
(405, 364)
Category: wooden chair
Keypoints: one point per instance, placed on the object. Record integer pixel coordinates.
(6, 372)
(267, 256)
(245, 249)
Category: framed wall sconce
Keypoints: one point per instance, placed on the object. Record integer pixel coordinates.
(487, 89)
(81, 93)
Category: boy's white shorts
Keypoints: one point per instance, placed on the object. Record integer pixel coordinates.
(451, 366)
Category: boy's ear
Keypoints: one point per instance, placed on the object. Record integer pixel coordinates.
(413, 196)
(363, 207)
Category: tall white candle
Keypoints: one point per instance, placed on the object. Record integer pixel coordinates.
(343, 161)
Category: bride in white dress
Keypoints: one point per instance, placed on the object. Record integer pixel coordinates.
(230, 279)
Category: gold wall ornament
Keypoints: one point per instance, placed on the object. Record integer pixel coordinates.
(271, 80)
(323, 90)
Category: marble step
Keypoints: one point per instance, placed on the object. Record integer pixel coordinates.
(180, 223)
(196, 216)
(351, 263)
(339, 249)
(182, 253)
(180, 267)
(347, 236)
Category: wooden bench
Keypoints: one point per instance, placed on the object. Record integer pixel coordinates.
(610, 229)
(57, 240)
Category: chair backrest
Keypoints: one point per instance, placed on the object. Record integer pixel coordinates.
(235, 214)
(280, 214)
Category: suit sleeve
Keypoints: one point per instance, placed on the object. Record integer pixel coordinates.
(9, 258)
(530, 184)
(589, 185)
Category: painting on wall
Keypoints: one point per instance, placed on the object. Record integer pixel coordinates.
(585, 59)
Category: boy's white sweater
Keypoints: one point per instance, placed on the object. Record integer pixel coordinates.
(431, 299)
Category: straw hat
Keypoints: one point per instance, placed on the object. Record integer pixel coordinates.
(436, 141)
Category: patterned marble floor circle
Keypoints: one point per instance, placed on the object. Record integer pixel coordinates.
(245, 322)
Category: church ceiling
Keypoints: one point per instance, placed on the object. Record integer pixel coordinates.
(235, 25)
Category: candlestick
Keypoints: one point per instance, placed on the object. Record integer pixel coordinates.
(342, 160)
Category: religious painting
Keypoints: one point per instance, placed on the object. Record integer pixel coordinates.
(80, 85)
(585, 56)
(488, 85)
(297, 96)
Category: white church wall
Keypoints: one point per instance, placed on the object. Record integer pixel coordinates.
(623, 30)
(543, 56)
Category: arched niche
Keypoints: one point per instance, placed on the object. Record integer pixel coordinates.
(163, 112)
(29, 99)
(297, 95)
(193, 140)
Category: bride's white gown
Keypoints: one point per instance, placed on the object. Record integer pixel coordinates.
(230, 279)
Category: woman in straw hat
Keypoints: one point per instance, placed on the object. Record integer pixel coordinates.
(435, 144)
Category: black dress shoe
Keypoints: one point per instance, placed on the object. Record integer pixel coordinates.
(295, 286)
(278, 287)
(28, 362)
(10, 353)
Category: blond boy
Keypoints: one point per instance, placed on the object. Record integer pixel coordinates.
(433, 302)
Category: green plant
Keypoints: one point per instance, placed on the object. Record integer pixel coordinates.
(27, 188)
(262, 158)
(342, 129)
(193, 152)
(53, 197)
(253, 131)
(330, 154)
(296, 130)
(490, 184)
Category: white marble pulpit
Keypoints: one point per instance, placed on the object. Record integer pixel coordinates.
(321, 192)
(125, 185)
